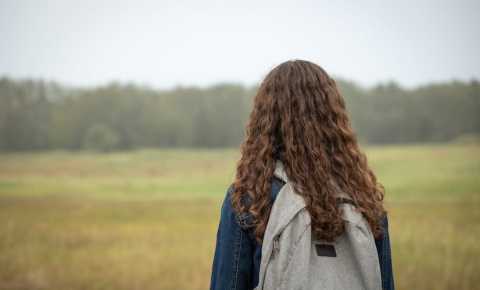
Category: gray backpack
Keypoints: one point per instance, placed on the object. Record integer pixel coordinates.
(291, 260)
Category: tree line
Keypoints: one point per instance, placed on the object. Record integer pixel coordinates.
(40, 115)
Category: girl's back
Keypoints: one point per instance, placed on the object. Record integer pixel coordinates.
(299, 119)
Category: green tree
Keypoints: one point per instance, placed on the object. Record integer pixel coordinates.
(100, 137)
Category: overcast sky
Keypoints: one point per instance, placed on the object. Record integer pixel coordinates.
(166, 43)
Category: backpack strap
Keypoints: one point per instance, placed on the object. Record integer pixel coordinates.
(280, 171)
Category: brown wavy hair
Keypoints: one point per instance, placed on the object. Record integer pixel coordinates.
(300, 118)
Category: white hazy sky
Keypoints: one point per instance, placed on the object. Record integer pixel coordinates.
(166, 43)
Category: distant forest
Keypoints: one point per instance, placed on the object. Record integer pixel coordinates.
(39, 115)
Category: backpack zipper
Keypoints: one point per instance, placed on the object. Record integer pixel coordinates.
(275, 249)
(276, 246)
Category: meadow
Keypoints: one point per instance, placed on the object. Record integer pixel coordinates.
(147, 219)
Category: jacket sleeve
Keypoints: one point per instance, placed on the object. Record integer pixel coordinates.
(385, 257)
(233, 259)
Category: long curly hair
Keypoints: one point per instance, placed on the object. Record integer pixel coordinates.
(300, 118)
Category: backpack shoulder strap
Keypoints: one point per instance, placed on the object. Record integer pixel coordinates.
(287, 203)
(279, 171)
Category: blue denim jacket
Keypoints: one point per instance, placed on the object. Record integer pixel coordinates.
(237, 257)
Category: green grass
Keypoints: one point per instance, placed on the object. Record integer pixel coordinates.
(147, 219)
(146, 174)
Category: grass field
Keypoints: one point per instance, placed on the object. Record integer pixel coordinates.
(147, 219)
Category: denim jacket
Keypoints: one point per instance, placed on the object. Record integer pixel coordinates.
(237, 257)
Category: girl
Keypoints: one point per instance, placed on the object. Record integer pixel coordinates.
(299, 118)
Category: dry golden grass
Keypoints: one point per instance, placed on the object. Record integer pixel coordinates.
(148, 219)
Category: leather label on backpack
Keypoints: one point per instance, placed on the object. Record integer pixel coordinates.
(325, 250)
